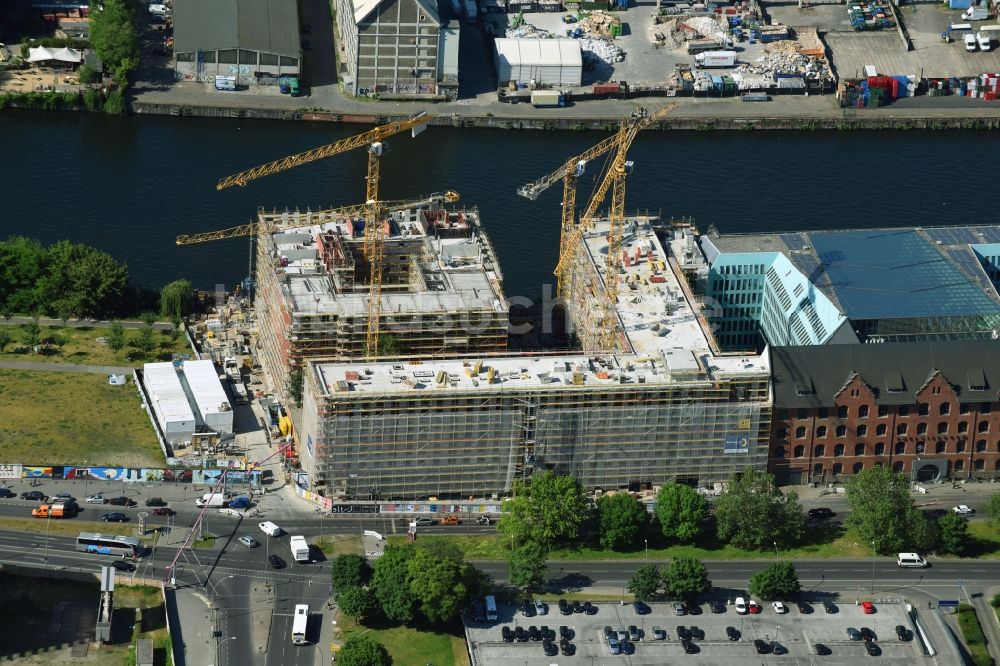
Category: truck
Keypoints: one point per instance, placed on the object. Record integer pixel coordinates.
(987, 35)
(212, 500)
(976, 14)
(59, 510)
(701, 45)
(471, 12)
(269, 528)
(300, 549)
(547, 98)
(984, 40)
(239, 391)
(716, 59)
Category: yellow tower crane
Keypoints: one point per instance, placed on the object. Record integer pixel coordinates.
(374, 242)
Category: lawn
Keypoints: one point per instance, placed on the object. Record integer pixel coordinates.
(414, 645)
(83, 348)
(55, 418)
(972, 632)
(339, 545)
(69, 526)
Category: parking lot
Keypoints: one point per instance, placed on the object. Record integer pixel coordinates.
(796, 631)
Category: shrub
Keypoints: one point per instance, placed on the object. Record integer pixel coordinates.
(115, 103)
(93, 100)
(87, 74)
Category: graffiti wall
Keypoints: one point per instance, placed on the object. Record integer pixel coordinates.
(130, 475)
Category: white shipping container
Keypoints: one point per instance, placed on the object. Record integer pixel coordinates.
(547, 62)
(716, 59)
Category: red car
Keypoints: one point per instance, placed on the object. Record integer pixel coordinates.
(753, 607)
(868, 607)
(163, 511)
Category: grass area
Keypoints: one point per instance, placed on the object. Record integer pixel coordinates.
(82, 346)
(66, 527)
(972, 632)
(414, 645)
(339, 545)
(52, 418)
(207, 542)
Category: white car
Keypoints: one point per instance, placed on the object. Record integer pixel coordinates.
(741, 606)
(96, 499)
(248, 541)
(540, 607)
(963, 510)
(779, 607)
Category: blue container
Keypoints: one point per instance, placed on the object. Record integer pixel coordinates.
(716, 83)
(959, 4)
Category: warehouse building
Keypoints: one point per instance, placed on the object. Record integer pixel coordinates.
(169, 402)
(666, 406)
(252, 40)
(540, 62)
(212, 407)
(442, 289)
(397, 49)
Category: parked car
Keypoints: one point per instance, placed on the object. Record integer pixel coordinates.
(732, 633)
(830, 608)
(63, 497)
(577, 607)
(507, 634)
(867, 607)
(547, 634)
(7, 492)
(902, 633)
(803, 607)
(528, 609)
(741, 606)
(588, 608)
(779, 607)
(716, 606)
(424, 521)
(872, 649)
(692, 608)
(822, 650)
(163, 511)
(541, 608)
(696, 633)
(628, 647)
(778, 648)
(565, 608)
(641, 608)
(609, 633)
(484, 520)
(821, 513)
(682, 633)
(122, 565)
(853, 634)
(34, 496)
(566, 648)
(753, 607)
(614, 646)
(689, 647)
(534, 634)
(867, 634)
(659, 634)
(963, 510)
(679, 608)
(565, 633)
(633, 633)
(248, 541)
(96, 499)
(761, 646)
(450, 520)
(114, 517)
(550, 649)
(276, 562)
(155, 501)
(121, 501)
(520, 635)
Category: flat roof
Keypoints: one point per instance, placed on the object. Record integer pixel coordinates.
(270, 26)
(206, 388)
(164, 387)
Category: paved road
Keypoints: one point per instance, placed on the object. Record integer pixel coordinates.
(87, 323)
(65, 367)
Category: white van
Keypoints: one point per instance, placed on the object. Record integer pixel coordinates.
(269, 528)
(970, 41)
(491, 608)
(910, 560)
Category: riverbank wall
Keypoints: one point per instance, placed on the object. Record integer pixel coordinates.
(838, 120)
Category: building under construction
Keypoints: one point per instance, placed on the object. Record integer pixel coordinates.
(663, 405)
(441, 291)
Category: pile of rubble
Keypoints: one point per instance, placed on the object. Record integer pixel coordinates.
(666, 35)
(592, 48)
(785, 58)
(675, 33)
(706, 26)
(528, 31)
(600, 24)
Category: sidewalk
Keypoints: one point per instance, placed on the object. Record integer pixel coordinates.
(192, 627)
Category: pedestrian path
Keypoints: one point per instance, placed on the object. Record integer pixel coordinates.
(65, 367)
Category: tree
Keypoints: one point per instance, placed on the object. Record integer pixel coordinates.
(992, 510)
(620, 517)
(778, 580)
(115, 337)
(953, 535)
(349, 571)
(176, 300)
(686, 578)
(390, 578)
(753, 513)
(363, 650)
(87, 74)
(438, 584)
(148, 317)
(880, 508)
(80, 280)
(112, 32)
(546, 508)
(388, 345)
(357, 602)
(295, 380)
(526, 566)
(114, 103)
(645, 582)
(681, 511)
(5, 339)
(93, 101)
(31, 334)
(144, 341)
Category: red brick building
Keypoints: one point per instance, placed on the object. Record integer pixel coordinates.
(927, 409)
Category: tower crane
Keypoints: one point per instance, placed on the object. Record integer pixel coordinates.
(352, 212)
(374, 241)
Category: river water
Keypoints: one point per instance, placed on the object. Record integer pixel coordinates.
(130, 185)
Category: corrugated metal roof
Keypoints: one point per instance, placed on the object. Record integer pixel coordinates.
(271, 26)
(206, 388)
(363, 8)
(811, 376)
(164, 388)
(540, 52)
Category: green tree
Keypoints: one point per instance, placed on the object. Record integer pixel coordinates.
(645, 582)
(295, 381)
(953, 535)
(439, 585)
(144, 341)
(22, 264)
(349, 571)
(176, 300)
(390, 578)
(93, 100)
(753, 513)
(357, 602)
(880, 508)
(80, 280)
(112, 32)
(527, 567)
(148, 317)
(363, 650)
(924, 533)
(5, 339)
(686, 578)
(778, 580)
(114, 103)
(620, 518)
(681, 511)
(31, 334)
(115, 337)
(546, 508)
(992, 510)
(87, 74)
(388, 345)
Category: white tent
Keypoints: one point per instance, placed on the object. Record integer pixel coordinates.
(43, 54)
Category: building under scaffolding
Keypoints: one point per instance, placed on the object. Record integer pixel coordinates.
(665, 406)
(442, 289)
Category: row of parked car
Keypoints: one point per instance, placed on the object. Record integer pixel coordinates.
(543, 634)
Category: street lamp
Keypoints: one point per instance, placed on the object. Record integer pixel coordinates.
(775, 549)
(646, 541)
(873, 567)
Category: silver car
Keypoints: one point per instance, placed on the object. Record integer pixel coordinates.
(248, 541)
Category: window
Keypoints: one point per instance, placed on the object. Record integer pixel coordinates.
(984, 426)
(883, 411)
(942, 428)
(901, 429)
(185, 57)
(863, 412)
(800, 432)
(268, 60)
(880, 449)
(841, 431)
(963, 426)
(979, 464)
(963, 408)
(862, 431)
(880, 430)
(837, 469)
(227, 57)
(779, 452)
(781, 433)
(921, 428)
(289, 62)
(798, 451)
(900, 448)
(936, 390)
(939, 447)
(980, 445)
(858, 467)
(842, 412)
(248, 57)
(855, 393)
(959, 465)
(819, 451)
(838, 450)
(823, 413)
(920, 447)
(924, 409)
(944, 408)
(818, 469)
(960, 446)
(904, 410)
(859, 449)
(821, 431)
(897, 467)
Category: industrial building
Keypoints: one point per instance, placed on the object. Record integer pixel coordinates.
(545, 62)
(253, 40)
(211, 402)
(397, 49)
(442, 289)
(189, 404)
(665, 406)
(169, 402)
(851, 286)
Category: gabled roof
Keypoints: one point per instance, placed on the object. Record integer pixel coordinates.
(364, 8)
(270, 26)
(811, 376)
